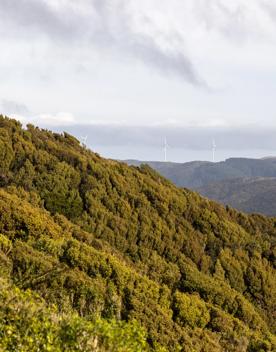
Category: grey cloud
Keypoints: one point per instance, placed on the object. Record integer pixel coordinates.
(34, 15)
(106, 25)
(140, 46)
(167, 62)
(13, 107)
(190, 138)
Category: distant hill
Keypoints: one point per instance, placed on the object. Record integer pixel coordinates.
(246, 184)
(196, 174)
(99, 256)
(252, 195)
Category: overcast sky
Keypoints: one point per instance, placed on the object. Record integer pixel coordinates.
(176, 65)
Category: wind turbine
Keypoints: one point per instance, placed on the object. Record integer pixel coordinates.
(165, 149)
(214, 147)
(84, 140)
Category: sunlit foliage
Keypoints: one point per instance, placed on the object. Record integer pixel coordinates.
(122, 250)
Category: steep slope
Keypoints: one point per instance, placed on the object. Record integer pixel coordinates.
(252, 195)
(245, 184)
(98, 238)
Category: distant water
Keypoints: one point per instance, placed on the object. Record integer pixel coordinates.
(175, 154)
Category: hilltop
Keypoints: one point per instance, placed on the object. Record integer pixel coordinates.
(103, 254)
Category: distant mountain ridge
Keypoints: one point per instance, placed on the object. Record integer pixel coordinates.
(99, 256)
(246, 184)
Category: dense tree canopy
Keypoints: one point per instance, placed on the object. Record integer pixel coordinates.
(109, 250)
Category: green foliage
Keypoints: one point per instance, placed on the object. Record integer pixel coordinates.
(248, 194)
(191, 310)
(5, 244)
(245, 184)
(26, 325)
(6, 153)
(109, 244)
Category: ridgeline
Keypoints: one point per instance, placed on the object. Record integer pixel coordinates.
(96, 255)
(245, 184)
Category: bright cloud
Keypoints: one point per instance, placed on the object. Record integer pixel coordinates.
(194, 62)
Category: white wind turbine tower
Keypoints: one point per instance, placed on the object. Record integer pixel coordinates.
(214, 147)
(84, 140)
(165, 149)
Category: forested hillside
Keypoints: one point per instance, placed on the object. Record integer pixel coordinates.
(242, 183)
(99, 256)
(252, 195)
